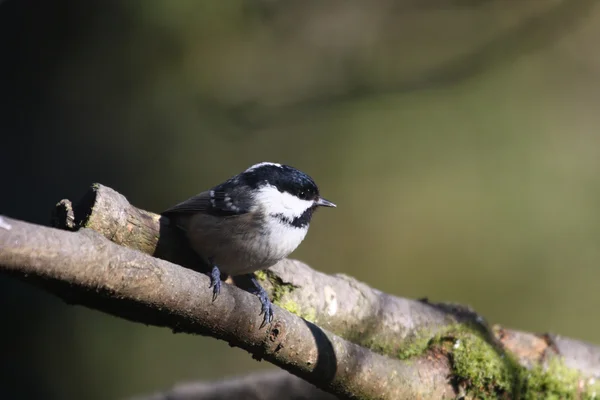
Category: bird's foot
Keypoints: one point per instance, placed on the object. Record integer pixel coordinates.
(267, 306)
(215, 280)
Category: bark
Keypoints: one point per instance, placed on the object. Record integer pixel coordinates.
(338, 303)
(264, 386)
(86, 268)
(352, 341)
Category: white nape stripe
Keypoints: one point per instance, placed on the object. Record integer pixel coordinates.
(275, 202)
(262, 164)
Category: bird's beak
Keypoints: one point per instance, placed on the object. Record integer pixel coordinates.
(324, 203)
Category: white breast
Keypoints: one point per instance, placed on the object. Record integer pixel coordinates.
(282, 238)
(238, 246)
(255, 240)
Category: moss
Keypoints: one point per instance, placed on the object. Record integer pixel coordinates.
(555, 382)
(309, 315)
(486, 372)
(371, 344)
(412, 347)
(423, 340)
(280, 294)
(261, 275)
(479, 367)
(416, 347)
(280, 290)
(291, 306)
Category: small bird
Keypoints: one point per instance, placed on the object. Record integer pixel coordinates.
(249, 222)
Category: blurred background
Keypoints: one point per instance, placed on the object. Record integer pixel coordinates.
(459, 138)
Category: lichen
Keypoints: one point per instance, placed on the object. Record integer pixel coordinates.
(261, 275)
(281, 296)
(291, 306)
(280, 290)
(309, 315)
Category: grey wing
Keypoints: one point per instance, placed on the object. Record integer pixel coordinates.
(218, 202)
(202, 202)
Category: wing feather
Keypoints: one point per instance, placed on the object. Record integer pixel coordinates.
(198, 203)
(216, 202)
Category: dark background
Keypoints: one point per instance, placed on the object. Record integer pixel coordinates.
(460, 140)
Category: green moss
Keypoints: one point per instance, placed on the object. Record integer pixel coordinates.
(261, 275)
(310, 315)
(369, 342)
(485, 372)
(424, 339)
(416, 347)
(488, 373)
(280, 295)
(280, 290)
(291, 306)
(480, 367)
(555, 382)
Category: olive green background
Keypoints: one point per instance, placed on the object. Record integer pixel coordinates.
(460, 140)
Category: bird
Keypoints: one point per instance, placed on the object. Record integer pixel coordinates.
(249, 222)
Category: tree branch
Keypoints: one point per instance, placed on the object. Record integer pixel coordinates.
(85, 268)
(339, 303)
(425, 350)
(260, 386)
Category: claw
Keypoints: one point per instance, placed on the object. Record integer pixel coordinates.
(267, 309)
(266, 305)
(215, 280)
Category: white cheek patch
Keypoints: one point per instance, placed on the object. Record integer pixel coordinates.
(262, 164)
(276, 202)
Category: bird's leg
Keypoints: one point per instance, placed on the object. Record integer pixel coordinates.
(267, 306)
(215, 279)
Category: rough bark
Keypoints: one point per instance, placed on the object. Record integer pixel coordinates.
(263, 386)
(338, 303)
(353, 341)
(85, 268)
